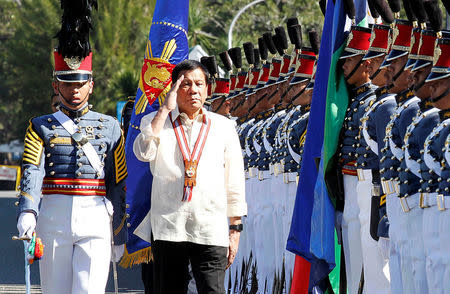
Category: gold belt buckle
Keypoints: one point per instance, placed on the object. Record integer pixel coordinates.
(360, 174)
(422, 203)
(285, 178)
(260, 175)
(440, 202)
(386, 187)
(395, 186)
(404, 203)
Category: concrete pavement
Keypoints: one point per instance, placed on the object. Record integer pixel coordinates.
(12, 259)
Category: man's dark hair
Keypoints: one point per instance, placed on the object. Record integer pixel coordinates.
(189, 65)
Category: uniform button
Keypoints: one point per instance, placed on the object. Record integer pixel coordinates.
(98, 174)
(49, 119)
(16, 203)
(53, 127)
(55, 135)
(52, 173)
(52, 145)
(48, 155)
(51, 164)
(77, 120)
(127, 205)
(79, 164)
(103, 145)
(128, 225)
(78, 174)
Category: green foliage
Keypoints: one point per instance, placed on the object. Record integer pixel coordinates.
(209, 21)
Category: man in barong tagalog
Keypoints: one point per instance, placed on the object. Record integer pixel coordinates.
(198, 190)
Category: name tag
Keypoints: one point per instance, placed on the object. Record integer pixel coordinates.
(61, 141)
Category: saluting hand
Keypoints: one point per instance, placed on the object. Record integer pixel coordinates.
(171, 99)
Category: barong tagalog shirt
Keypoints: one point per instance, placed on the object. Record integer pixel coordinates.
(220, 181)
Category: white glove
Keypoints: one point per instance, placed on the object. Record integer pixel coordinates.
(383, 245)
(26, 224)
(118, 252)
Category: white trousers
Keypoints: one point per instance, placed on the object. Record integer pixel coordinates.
(75, 231)
(376, 268)
(444, 238)
(351, 234)
(435, 268)
(412, 248)
(394, 213)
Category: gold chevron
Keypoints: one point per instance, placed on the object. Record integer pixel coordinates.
(119, 161)
(33, 146)
(169, 49)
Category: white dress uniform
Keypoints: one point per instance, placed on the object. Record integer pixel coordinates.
(79, 202)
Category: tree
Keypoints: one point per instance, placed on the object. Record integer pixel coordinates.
(209, 21)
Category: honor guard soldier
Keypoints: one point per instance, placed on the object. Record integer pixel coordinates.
(432, 163)
(398, 71)
(74, 158)
(412, 252)
(373, 127)
(355, 232)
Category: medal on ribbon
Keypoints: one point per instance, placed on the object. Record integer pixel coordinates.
(191, 159)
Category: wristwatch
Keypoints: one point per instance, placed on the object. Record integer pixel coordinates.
(237, 228)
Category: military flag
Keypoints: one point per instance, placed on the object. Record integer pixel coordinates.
(312, 234)
(167, 45)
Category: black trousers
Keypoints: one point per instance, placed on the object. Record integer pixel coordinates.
(171, 267)
(147, 277)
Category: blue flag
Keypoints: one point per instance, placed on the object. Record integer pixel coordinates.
(312, 229)
(167, 46)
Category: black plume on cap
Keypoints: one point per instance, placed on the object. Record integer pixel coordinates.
(373, 9)
(276, 41)
(434, 14)
(383, 9)
(269, 42)
(256, 56)
(395, 5)
(236, 56)
(295, 35)
(314, 40)
(419, 10)
(249, 54)
(262, 48)
(410, 14)
(349, 8)
(211, 65)
(76, 22)
(323, 6)
(291, 21)
(282, 38)
(225, 60)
